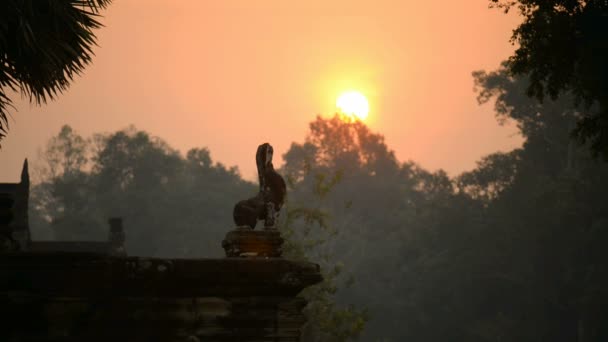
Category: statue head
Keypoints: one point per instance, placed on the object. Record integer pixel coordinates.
(267, 203)
(264, 156)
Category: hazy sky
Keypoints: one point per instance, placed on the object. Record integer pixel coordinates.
(232, 74)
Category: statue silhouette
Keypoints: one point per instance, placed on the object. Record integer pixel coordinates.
(270, 198)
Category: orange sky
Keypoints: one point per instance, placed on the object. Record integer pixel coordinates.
(232, 74)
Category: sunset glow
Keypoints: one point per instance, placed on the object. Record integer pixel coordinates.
(353, 104)
(199, 73)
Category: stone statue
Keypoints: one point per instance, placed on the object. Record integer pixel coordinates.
(270, 198)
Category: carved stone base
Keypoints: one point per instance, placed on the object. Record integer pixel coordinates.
(245, 242)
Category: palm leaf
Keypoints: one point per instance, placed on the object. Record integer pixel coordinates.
(43, 45)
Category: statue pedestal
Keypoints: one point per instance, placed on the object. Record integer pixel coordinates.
(246, 242)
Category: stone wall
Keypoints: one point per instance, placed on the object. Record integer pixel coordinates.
(92, 297)
(86, 291)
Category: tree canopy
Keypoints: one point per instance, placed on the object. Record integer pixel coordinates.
(43, 45)
(175, 205)
(562, 47)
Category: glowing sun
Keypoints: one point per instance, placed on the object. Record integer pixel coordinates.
(353, 104)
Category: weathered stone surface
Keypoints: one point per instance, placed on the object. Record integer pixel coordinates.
(91, 297)
(31, 318)
(82, 274)
(246, 242)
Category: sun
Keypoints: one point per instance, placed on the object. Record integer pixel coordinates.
(353, 104)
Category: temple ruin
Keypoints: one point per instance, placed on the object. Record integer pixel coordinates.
(64, 291)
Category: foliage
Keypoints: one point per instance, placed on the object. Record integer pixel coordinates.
(378, 206)
(536, 278)
(172, 205)
(494, 174)
(562, 47)
(43, 45)
(506, 252)
(307, 231)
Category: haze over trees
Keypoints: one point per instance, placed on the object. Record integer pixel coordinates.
(43, 45)
(176, 206)
(510, 251)
(513, 250)
(131, 174)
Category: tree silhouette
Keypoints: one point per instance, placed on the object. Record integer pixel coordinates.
(563, 47)
(43, 45)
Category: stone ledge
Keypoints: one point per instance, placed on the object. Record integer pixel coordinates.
(74, 297)
(59, 319)
(93, 275)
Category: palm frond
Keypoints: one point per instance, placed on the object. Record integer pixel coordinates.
(44, 44)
